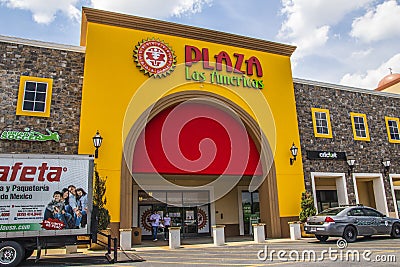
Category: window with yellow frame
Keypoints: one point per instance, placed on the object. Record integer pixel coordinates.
(360, 126)
(392, 127)
(321, 122)
(34, 96)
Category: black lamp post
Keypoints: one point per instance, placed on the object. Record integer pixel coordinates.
(294, 151)
(97, 139)
(386, 164)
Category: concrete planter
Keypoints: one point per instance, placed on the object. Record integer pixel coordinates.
(295, 230)
(103, 240)
(259, 232)
(219, 235)
(303, 233)
(174, 236)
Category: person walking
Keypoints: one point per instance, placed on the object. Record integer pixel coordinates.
(155, 223)
(167, 224)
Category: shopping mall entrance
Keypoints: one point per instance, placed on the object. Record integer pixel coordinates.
(185, 209)
(183, 163)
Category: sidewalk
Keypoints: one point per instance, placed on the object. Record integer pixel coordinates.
(203, 242)
(195, 242)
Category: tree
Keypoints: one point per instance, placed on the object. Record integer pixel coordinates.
(307, 206)
(99, 201)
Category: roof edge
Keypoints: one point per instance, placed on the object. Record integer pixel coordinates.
(389, 84)
(16, 40)
(345, 88)
(185, 31)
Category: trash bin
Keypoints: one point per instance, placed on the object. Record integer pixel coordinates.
(136, 235)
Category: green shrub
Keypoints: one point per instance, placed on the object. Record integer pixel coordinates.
(307, 206)
(100, 200)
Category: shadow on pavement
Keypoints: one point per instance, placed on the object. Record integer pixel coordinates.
(80, 259)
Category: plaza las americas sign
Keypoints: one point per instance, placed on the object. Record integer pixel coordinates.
(156, 58)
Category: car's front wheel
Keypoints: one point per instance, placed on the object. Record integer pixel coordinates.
(350, 234)
(322, 238)
(395, 230)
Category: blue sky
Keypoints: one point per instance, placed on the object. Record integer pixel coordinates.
(349, 42)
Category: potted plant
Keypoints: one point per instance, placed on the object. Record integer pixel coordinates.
(307, 210)
(103, 217)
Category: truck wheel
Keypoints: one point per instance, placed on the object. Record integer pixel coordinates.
(395, 230)
(28, 253)
(11, 253)
(350, 234)
(322, 238)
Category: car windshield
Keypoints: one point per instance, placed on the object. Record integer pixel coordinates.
(333, 211)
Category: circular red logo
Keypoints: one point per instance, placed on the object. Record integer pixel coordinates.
(155, 58)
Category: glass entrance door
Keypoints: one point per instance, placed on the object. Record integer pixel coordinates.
(190, 221)
(186, 218)
(251, 210)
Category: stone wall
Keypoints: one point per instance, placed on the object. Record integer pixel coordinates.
(65, 67)
(340, 102)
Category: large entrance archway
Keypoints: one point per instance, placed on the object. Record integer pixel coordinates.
(203, 166)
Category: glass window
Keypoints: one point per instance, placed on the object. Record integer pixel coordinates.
(34, 96)
(332, 212)
(326, 199)
(360, 126)
(321, 122)
(392, 127)
(356, 212)
(372, 213)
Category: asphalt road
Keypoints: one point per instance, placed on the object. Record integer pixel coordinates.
(375, 251)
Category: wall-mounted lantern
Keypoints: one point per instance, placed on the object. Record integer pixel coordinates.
(294, 151)
(97, 139)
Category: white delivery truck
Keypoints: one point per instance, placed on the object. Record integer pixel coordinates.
(36, 210)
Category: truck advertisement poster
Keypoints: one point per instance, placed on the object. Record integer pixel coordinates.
(44, 193)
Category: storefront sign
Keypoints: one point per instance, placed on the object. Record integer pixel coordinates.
(154, 57)
(30, 135)
(234, 64)
(326, 155)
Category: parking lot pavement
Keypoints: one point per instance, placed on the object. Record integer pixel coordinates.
(375, 251)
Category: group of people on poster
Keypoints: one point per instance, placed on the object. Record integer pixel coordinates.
(157, 222)
(70, 206)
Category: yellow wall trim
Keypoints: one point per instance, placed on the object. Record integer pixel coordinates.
(353, 115)
(387, 119)
(328, 119)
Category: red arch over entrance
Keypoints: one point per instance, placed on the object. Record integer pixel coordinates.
(192, 141)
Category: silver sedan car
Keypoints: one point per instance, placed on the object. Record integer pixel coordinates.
(351, 221)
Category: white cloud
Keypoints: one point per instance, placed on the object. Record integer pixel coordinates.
(44, 11)
(152, 8)
(308, 22)
(361, 54)
(369, 78)
(378, 24)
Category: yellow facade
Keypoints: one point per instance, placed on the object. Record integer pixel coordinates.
(116, 92)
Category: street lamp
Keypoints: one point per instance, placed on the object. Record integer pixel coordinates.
(294, 151)
(97, 139)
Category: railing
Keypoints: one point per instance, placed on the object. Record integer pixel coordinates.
(109, 247)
